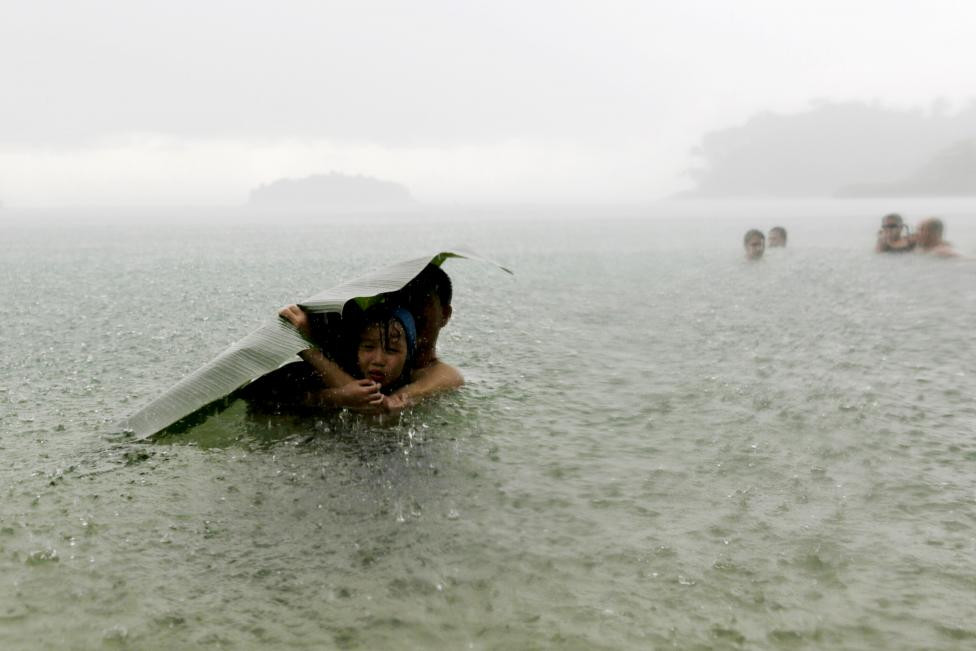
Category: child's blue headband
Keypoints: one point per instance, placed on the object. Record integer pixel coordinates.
(403, 315)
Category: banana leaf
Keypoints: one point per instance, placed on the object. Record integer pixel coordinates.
(208, 390)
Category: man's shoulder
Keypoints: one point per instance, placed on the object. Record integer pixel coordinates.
(440, 370)
(945, 251)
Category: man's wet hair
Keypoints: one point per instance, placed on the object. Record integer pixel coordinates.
(935, 226)
(894, 216)
(750, 233)
(432, 280)
(778, 229)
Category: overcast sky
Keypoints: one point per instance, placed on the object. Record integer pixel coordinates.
(136, 102)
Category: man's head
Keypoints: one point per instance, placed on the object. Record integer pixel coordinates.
(428, 297)
(777, 237)
(929, 232)
(754, 243)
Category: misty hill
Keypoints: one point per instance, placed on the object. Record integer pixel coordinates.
(331, 191)
(951, 172)
(845, 149)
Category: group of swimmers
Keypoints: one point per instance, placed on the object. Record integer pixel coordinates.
(755, 242)
(894, 237)
(379, 360)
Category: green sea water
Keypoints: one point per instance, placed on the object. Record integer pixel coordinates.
(659, 445)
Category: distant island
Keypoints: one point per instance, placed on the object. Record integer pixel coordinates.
(841, 150)
(332, 191)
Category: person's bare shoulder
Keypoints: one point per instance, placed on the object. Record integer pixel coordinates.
(439, 374)
(945, 251)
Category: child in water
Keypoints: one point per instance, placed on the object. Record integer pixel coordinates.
(428, 299)
(377, 349)
(385, 347)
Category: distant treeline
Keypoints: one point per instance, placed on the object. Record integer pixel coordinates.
(842, 149)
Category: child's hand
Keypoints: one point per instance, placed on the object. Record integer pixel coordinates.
(297, 317)
(387, 405)
(360, 395)
(396, 403)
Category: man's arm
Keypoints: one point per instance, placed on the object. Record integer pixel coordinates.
(343, 390)
(429, 381)
(331, 373)
(432, 380)
(880, 245)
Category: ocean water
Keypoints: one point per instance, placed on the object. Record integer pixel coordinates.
(659, 445)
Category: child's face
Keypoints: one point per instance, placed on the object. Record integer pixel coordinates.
(381, 359)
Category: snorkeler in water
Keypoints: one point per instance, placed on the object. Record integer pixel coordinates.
(894, 236)
(427, 297)
(754, 243)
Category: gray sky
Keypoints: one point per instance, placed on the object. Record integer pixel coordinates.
(195, 102)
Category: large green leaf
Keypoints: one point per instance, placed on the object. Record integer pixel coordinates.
(204, 391)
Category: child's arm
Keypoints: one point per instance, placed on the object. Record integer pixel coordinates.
(360, 395)
(344, 390)
(332, 374)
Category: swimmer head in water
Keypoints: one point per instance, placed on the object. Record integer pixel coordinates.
(894, 236)
(754, 243)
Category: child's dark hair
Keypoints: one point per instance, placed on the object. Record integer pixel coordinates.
(355, 321)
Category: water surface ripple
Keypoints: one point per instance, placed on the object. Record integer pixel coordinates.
(659, 445)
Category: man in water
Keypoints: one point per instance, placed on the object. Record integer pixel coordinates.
(777, 237)
(893, 238)
(928, 237)
(754, 243)
(428, 297)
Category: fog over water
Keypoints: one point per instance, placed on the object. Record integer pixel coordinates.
(179, 103)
